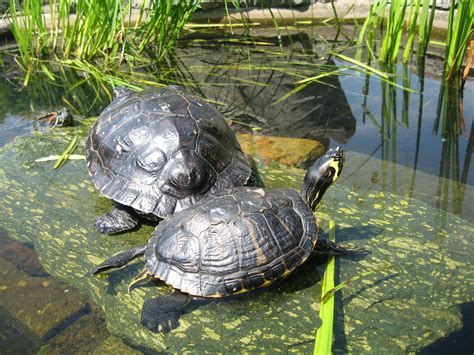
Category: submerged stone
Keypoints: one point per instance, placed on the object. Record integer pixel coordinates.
(43, 308)
(422, 266)
(295, 152)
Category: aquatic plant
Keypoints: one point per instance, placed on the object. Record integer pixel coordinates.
(323, 341)
(407, 18)
(460, 30)
(99, 32)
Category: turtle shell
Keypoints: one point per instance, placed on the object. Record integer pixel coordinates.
(234, 242)
(161, 150)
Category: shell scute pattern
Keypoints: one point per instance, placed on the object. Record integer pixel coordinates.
(228, 250)
(165, 138)
(219, 253)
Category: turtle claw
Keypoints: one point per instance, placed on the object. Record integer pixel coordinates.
(161, 314)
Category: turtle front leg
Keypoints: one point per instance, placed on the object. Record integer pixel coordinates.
(118, 220)
(118, 260)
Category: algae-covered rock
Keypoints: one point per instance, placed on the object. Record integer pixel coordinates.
(283, 150)
(423, 268)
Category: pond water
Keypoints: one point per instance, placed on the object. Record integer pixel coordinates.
(405, 195)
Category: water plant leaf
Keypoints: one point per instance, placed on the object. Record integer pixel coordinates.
(323, 341)
(56, 157)
(67, 153)
(330, 293)
(362, 65)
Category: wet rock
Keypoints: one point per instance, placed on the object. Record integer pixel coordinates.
(283, 150)
(373, 174)
(15, 338)
(421, 256)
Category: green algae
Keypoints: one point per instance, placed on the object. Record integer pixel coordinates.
(400, 309)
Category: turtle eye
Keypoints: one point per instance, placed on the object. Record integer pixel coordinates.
(152, 161)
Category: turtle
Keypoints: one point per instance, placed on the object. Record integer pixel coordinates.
(236, 241)
(158, 151)
(60, 118)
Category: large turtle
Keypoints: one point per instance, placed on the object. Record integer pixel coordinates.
(239, 240)
(156, 152)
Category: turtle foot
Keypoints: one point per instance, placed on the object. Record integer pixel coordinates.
(116, 221)
(161, 314)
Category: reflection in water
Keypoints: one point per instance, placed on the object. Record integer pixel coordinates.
(407, 150)
(247, 80)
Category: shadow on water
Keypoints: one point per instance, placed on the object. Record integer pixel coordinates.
(459, 342)
(354, 233)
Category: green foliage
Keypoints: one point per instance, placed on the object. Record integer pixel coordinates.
(460, 29)
(99, 31)
(67, 153)
(405, 19)
(323, 342)
(393, 35)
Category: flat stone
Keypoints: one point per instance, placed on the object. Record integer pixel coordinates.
(283, 150)
(41, 304)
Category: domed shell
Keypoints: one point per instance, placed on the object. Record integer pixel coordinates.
(161, 150)
(235, 242)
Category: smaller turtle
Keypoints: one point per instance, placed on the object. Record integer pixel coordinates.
(239, 240)
(59, 118)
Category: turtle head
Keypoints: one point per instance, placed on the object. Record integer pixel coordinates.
(63, 118)
(187, 174)
(322, 174)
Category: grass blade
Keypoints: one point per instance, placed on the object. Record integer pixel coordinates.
(323, 342)
(330, 293)
(362, 65)
(69, 150)
(56, 157)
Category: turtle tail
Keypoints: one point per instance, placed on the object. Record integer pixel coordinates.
(118, 260)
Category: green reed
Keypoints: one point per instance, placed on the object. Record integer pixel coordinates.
(460, 29)
(323, 340)
(409, 21)
(97, 31)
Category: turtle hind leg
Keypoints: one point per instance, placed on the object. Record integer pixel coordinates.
(327, 247)
(118, 260)
(116, 221)
(162, 314)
